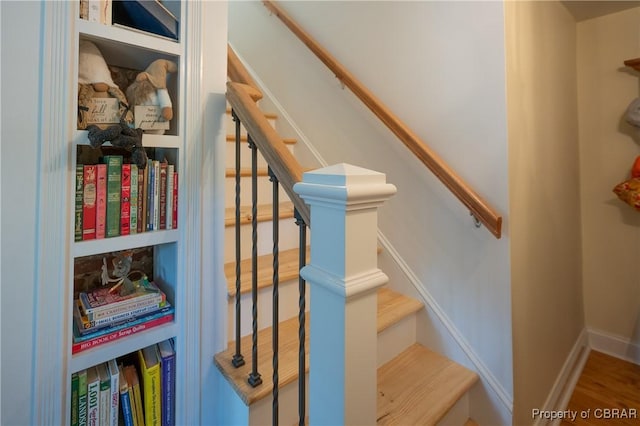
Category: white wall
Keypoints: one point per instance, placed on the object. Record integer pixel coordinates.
(19, 143)
(544, 190)
(440, 67)
(608, 147)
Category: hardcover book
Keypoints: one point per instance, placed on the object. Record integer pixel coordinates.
(82, 397)
(162, 207)
(89, 203)
(93, 397)
(105, 394)
(133, 211)
(168, 381)
(85, 329)
(114, 403)
(146, 15)
(125, 401)
(174, 214)
(135, 391)
(102, 302)
(114, 179)
(74, 399)
(79, 202)
(125, 200)
(101, 201)
(142, 183)
(149, 362)
(169, 204)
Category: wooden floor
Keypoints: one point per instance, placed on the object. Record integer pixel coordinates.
(606, 384)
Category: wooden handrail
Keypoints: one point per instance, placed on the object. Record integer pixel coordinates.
(478, 207)
(269, 143)
(237, 73)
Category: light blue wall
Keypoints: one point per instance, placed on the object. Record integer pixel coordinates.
(20, 31)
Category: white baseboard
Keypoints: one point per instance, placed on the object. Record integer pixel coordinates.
(566, 380)
(617, 346)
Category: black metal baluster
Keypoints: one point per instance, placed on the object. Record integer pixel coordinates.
(238, 359)
(301, 318)
(254, 378)
(276, 281)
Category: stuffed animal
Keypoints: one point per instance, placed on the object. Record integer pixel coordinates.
(94, 81)
(122, 136)
(150, 88)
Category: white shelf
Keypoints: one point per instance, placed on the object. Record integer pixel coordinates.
(143, 239)
(122, 35)
(121, 347)
(148, 140)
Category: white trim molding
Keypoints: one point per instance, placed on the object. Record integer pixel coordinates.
(611, 344)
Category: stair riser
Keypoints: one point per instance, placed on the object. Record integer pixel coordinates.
(288, 238)
(396, 338)
(458, 414)
(288, 297)
(260, 413)
(265, 191)
(230, 125)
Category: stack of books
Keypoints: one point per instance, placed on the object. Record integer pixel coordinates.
(115, 198)
(137, 389)
(103, 315)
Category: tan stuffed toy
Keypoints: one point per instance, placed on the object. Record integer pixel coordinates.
(94, 81)
(150, 88)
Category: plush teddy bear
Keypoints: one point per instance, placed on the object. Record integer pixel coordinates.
(122, 136)
(150, 88)
(94, 81)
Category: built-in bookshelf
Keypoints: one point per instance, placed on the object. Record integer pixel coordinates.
(127, 52)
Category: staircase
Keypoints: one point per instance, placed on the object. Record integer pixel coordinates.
(415, 385)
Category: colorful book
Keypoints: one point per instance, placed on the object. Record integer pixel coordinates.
(119, 334)
(142, 200)
(104, 398)
(125, 200)
(101, 200)
(125, 401)
(133, 211)
(89, 203)
(168, 381)
(79, 202)
(84, 329)
(83, 323)
(114, 403)
(135, 391)
(93, 397)
(174, 214)
(114, 178)
(150, 186)
(82, 397)
(162, 205)
(102, 303)
(169, 206)
(74, 399)
(156, 194)
(149, 362)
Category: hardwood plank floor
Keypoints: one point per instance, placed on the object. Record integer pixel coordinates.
(607, 393)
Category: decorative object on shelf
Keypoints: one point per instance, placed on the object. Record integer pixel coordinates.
(146, 15)
(149, 98)
(122, 136)
(100, 100)
(125, 280)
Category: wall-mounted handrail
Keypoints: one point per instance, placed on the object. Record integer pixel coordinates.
(478, 207)
(269, 143)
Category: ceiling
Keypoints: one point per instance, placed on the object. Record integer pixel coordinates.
(582, 10)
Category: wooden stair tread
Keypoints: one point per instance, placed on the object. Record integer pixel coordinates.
(243, 138)
(419, 387)
(288, 359)
(264, 213)
(288, 270)
(393, 306)
(269, 115)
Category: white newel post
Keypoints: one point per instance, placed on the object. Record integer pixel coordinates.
(343, 277)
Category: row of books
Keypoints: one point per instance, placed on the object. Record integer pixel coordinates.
(104, 315)
(134, 390)
(114, 199)
(145, 15)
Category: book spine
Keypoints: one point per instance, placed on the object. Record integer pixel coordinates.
(114, 177)
(168, 365)
(150, 370)
(105, 395)
(125, 200)
(79, 201)
(82, 397)
(134, 308)
(125, 400)
(141, 200)
(151, 184)
(114, 403)
(156, 195)
(137, 398)
(133, 212)
(89, 203)
(83, 329)
(169, 206)
(74, 399)
(93, 398)
(174, 215)
(119, 334)
(101, 200)
(162, 213)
